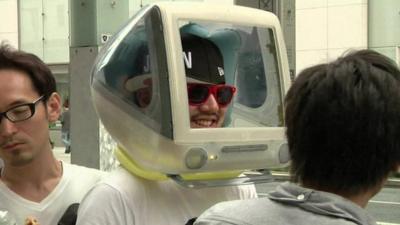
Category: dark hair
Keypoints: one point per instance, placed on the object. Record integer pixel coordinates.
(40, 75)
(343, 122)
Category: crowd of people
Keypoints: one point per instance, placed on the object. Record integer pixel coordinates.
(342, 126)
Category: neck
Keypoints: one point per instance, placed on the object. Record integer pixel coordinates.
(35, 180)
(361, 199)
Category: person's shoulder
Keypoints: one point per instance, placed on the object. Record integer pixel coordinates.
(231, 212)
(240, 205)
(83, 171)
(122, 187)
(104, 204)
(105, 190)
(123, 180)
(66, 112)
(65, 115)
(117, 180)
(239, 192)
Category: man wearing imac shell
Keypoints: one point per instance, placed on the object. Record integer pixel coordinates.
(125, 198)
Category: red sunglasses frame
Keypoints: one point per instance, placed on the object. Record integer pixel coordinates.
(212, 89)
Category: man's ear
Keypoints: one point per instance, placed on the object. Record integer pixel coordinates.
(53, 106)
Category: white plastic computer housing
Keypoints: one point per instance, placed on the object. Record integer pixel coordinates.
(157, 137)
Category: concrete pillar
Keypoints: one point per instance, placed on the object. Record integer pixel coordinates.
(384, 27)
(90, 21)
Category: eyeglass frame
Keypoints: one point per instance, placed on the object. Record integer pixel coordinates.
(32, 108)
(212, 90)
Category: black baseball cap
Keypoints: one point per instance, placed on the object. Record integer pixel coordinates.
(203, 59)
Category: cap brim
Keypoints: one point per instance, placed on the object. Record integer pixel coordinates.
(137, 82)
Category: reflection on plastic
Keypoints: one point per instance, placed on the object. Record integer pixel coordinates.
(7, 219)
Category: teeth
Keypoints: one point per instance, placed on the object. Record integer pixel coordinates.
(204, 123)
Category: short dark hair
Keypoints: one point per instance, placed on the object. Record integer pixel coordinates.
(39, 73)
(343, 122)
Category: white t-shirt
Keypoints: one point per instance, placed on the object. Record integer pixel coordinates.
(124, 199)
(75, 182)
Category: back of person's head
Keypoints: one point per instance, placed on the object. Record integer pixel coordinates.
(40, 75)
(343, 123)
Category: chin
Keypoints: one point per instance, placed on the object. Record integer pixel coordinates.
(22, 159)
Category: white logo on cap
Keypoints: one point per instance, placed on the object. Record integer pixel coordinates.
(188, 59)
(146, 66)
(220, 71)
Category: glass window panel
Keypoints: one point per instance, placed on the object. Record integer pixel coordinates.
(44, 29)
(31, 26)
(56, 31)
(135, 71)
(250, 64)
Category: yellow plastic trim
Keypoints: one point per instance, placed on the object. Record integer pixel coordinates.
(211, 176)
(133, 168)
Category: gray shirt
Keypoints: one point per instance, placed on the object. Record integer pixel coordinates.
(65, 121)
(288, 204)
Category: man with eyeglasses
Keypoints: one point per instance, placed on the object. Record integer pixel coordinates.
(34, 185)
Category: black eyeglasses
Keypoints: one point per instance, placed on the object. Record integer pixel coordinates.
(20, 112)
(199, 93)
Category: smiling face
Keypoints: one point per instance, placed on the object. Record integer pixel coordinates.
(207, 115)
(22, 141)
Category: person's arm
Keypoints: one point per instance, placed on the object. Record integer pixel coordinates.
(104, 205)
